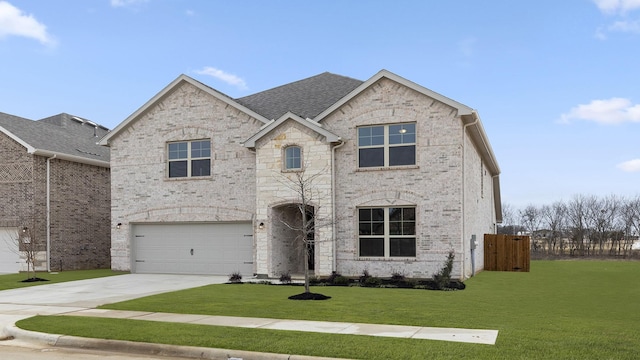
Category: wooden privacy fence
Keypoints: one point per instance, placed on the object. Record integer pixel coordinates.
(506, 252)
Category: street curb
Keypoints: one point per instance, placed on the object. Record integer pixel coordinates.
(141, 348)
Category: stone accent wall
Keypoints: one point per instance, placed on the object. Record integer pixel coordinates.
(141, 190)
(434, 185)
(276, 188)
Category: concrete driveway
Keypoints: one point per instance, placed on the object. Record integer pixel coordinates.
(59, 298)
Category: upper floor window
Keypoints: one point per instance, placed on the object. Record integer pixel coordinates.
(387, 145)
(189, 158)
(387, 232)
(293, 158)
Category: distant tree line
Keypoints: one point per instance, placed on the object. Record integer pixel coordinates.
(583, 226)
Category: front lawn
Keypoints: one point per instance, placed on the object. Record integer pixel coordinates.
(560, 310)
(14, 281)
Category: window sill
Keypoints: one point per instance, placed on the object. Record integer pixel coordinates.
(188, 178)
(383, 168)
(370, 258)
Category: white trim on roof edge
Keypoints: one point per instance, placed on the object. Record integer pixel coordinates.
(72, 158)
(30, 149)
(309, 123)
(462, 109)
(167, 90)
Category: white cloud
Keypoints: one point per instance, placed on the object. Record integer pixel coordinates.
(127, 3)
(226, 77)
(608, 111)
(626, 26)
(617, 6)
(630, 166)
(619, 9)
(14, 22)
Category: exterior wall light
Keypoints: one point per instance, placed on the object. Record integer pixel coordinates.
(261, 226)
(118, 226)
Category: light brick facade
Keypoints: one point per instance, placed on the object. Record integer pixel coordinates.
(141, 189)
(451, 184)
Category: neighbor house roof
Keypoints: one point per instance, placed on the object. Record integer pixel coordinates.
(66, 136)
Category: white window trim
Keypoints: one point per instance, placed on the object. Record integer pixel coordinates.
(386, 146)
(387, 235)
(189, 159)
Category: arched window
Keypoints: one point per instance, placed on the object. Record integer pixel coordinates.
(293, 158)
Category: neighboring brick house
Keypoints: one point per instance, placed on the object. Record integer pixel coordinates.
(54, 184)
(403, 175)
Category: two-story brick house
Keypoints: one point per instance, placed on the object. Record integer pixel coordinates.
(54, 185)
(402, 175)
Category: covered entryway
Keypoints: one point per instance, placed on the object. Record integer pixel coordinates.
(9, 254)
(288, 254)
(193, 248)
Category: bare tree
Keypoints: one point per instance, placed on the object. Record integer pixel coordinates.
(508, 226)
(577, 222)
(531, 219)
(601, 215)
(554, 218)
(308, 203)
(630, 223)
(30, 245)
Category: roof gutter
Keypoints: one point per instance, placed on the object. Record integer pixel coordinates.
(333, 206)
(49, 211)
(62, 156)
(464, 189)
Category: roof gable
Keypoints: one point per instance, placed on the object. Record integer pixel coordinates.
(179, 81)
(310, 124)
(462, 109)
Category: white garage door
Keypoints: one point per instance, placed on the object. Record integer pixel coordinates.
(9, 255)
(213, 248)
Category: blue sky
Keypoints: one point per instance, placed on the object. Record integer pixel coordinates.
(556, 83)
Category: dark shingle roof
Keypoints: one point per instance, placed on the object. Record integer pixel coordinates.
(306, 98)
(62, 133)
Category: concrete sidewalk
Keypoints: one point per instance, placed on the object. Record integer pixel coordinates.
(412, 332)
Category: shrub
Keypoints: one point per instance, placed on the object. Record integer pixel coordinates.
(365, 275)
(341, 280)
(397, 277)
(235, 278)
(285, 278)
(443, 277)
(332, 278)
(373, 282)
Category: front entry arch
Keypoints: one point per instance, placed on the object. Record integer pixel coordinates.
(287, 235)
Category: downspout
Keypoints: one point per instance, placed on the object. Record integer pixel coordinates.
(333, 205)
(464, 218)
(49, 211)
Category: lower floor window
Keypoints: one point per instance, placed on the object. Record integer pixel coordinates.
(387, 232)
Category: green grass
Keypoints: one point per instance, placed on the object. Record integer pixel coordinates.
(14, 281)
(560, 310)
